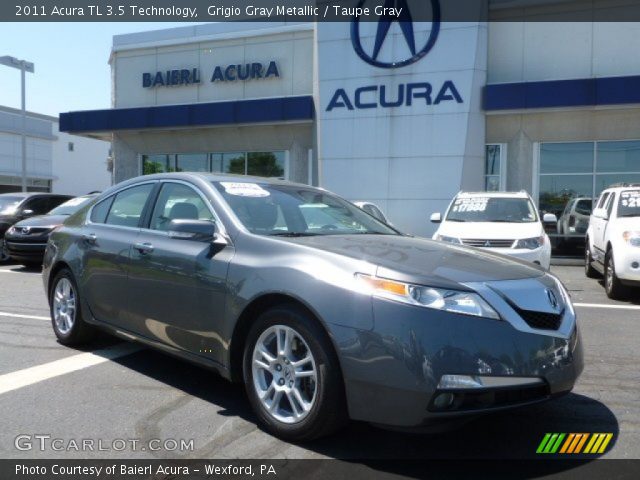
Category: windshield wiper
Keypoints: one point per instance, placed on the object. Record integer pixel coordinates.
(455, 220)
(629, 215)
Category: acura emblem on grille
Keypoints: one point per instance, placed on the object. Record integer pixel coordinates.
(552, 298)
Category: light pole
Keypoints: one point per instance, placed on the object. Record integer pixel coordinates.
(24, 67)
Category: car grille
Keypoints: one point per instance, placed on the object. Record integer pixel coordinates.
(488, 243)
(32, 230)
(541, 320)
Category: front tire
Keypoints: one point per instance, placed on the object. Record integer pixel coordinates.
(66, 315)
(589, 271)
(612, 285)
(292, 375)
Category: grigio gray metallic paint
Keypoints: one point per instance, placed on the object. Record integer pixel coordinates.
(193, 299)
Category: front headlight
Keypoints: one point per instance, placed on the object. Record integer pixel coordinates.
(632, 238)
(11, 230)
(455, 301)
(444, 238)
(530, 243)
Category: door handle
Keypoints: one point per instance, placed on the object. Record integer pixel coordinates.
(143, 248)
(89, 238)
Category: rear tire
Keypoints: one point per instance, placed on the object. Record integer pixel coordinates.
(612, 285)
(589, 271)
(292, 375)
(66, 314)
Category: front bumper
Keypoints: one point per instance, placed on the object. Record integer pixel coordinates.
(628, 264)
(540, 256)
(25, 251)
(392, 372)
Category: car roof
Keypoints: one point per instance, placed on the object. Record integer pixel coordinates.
(217, 177)
(521, 194)
(633, 186)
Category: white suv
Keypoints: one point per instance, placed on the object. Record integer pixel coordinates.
(613, 239)
(502, 222)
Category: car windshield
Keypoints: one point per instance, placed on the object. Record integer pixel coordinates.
(288, 210)
(492, 209)
(629, 203)
(9, 204)
(70, 206)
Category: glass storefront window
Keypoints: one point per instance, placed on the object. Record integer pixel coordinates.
(566, 157)
(604, 181)
(234, 162)
(492, 168)
(581, 171)
(619, 157)
(198, 162)
(265, 164)
(557, 190)
(216, 162)
(262, 164)
(156, 164)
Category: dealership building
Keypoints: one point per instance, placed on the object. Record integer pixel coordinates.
(375, 111)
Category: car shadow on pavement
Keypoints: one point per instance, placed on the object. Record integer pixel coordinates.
(507, 435)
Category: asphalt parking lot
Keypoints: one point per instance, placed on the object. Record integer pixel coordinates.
(126, 392)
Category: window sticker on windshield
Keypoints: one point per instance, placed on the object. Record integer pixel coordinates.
(470, 204)
(244, 189)
(630, 198)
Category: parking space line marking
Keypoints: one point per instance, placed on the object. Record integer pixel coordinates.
(19, 315)
(29, 376)
(21, 272)
(604, 305)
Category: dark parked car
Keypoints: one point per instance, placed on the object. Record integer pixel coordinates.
(18, 206)
(26, 240)
(347, 318)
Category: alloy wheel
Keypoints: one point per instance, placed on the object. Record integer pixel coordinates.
(64, 306)
(284, 371)
(608, 278)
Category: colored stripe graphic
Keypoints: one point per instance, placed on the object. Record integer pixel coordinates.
(581, 442)
(573, 443)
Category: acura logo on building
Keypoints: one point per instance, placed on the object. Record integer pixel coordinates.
(553, 301)
(403, 17)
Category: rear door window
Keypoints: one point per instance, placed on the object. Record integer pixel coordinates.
(101, 210)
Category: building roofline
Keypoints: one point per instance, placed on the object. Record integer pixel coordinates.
(17, 111)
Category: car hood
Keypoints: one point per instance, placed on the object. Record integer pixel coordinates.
(490, 230)
(42, 221)
(422, 260)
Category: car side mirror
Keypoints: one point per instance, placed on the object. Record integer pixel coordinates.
(189, 229)
(436, 217)
(549, 218)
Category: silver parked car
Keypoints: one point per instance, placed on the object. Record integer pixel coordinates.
(323, 312)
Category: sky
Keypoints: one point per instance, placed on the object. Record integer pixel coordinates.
(71, 69)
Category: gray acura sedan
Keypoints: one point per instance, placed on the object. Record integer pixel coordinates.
(322, 311)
